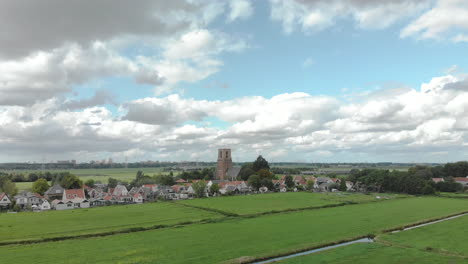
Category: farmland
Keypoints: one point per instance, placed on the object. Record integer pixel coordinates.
(26, 226)
(443, 242)
(255, 204)
(244, 238)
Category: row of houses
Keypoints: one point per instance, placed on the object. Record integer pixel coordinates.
(463, 181)
(58, 198)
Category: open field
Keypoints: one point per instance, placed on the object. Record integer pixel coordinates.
(443, 242)
(32, 225)
(236, 238)
(262, 203)
(373, 253)
(102, 175)
(454, 195)
(449, 236)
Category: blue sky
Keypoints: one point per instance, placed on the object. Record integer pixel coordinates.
(329, 81)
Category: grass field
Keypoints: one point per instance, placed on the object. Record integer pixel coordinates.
(102, 175)
(443, 242)
(449, 236)
(373, 253)
(29, 225)
(239, 238)
(261, 203)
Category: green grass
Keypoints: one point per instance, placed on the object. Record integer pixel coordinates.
(371, 254)
(238, 238)
(261, 203)
(101, 175)
(454, 195)
(37, 225)
(448, 236)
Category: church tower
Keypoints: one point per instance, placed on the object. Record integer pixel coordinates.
(224, 163)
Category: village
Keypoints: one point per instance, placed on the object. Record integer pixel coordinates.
(226, 182)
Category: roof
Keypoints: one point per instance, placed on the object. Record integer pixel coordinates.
(437, 179)
(181, 181)
(55, 189)
(177, 188)
(74, 193)
(137, 195)
(233, 172)
(3, 195)
(461, 179)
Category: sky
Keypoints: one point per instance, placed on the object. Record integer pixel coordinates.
(292, 80)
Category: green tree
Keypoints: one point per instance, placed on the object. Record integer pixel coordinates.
(255, 181)
(246, 171)
(7, 186)
(428, 189)
(214, 189)
(260, 163)
(164, 179)
(343, 187)
(288, 180)
(40, 186)
(310, 185)
(90, 183)
(199, 189)
(111, 182)
(71, 181)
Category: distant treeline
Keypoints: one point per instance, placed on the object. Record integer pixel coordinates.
(417, 180)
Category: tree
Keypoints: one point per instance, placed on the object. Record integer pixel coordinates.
(7, 186)
(428, 189)
(199, 189)
(343, 187)
(111, 182)
(246, 171)
(164, 179)
(40, 186)
(288, 180)
(310, 185)
(214, 189)
(255, 181)
(90, 183)
(71, 181)
(260, 163)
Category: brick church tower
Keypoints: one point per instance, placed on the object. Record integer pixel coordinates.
(224, 163)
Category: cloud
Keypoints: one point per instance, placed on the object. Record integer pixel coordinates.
(308, 62)
(43, 75)
(443, 20)
(101, 97)
(317, 15)
(48, 24)
(240, 9)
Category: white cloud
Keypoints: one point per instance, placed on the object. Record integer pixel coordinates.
(442, 20)
(320, 14)
(240, 9)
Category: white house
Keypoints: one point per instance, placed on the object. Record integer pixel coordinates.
(4, 200)
(137, 198)
(45, 205)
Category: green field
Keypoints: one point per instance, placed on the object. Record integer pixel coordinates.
(443, 242)
(262, 203)
(37, 225)
(448, 236)
(373, 253)
(239, 238)
(101, 175)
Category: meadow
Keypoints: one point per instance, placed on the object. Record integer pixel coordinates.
(443, 242)
(240, 239)
(264, 203)
(102, 175)
(373, 253)
(38, 225)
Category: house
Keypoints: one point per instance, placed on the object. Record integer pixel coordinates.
(263, 189)
(60, 205)
(181, 181)
(137, 198)
(120, 190)
(349, 185)
(76, 197)
(4, 200)
(232, 173)
(152, 187)
(462, 181)
(299, 180)
(320, 183)
(45, 205)
(25, 199)
(436, 180)
(54, 192)
(282, 188)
